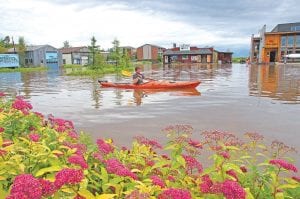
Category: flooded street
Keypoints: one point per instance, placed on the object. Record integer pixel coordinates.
(236, 98)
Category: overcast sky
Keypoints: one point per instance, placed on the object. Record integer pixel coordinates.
(224, 24)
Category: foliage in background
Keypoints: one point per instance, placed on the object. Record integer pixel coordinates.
(46, 158)
(22, 51)
(23, 70)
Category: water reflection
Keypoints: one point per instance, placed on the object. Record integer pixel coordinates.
(279, 82)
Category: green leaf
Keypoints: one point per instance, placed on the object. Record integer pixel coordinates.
(279, 195)
(85, 193)
(288, 186)
(248, 194)
(181, 160)
(106, 196)
(104, 175)
(46, 170)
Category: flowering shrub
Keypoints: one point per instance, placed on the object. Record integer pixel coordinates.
(46, 158)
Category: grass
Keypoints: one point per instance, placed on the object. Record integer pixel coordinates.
(23, 69)
(238, 59)
(88, 71)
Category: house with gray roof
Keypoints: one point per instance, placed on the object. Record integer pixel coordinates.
(190, 54)
(41, 55)
(75, 55)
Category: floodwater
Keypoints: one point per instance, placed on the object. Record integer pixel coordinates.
(236, 98)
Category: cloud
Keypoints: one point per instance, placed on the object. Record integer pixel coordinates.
(223, 24)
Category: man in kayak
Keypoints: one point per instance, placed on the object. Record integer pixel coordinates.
(138, 77)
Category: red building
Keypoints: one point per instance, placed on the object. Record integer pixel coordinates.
(225, 57)
(149, 52)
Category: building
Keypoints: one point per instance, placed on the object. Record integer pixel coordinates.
(276, 45)
(130, 50)
(41, 55)
(149, 52)
(189, 54)
(75, 55)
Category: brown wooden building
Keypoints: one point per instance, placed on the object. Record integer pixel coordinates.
(192, 54)
(149, 52)
(274, 46)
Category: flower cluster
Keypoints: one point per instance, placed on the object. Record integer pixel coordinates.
(233, 190)
(61, 125)
(207, 183)
(21, 105)
(158, 181)
(116, 167)
(48, 188)
(2, 94)
(25, 186)
(192, 164)
(175, 194)
(284, 164)
(34, 137)
(68, 176)
(78, 160)
(104, 147)
(233, 174)
(224, 154)
(148, 142)
(254, 136)
(195, 143)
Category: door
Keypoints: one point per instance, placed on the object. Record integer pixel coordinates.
(273, 56)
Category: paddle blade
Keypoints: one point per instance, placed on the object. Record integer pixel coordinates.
(126, 73)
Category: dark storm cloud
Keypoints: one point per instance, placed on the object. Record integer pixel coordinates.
(231, 16)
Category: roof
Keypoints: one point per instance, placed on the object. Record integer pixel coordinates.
(72, 50)
(287, 27)
(127, 47)
(226, 52)
(201, 51)
(28, 48)
(152, 45)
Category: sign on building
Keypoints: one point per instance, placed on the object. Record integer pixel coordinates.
(9, 60)
(184, 47)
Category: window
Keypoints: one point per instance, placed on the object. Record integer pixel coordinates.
(295, 28)
(283, 41)
(184, 57)
(298, 40)
(290, 40)
(64, 61)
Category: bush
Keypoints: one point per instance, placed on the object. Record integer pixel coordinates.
(46, 158)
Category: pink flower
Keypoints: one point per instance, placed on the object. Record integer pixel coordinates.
(40, 115)
(98, 156)
(104, 147)
(150, 163)
(80, 148)
(26, 186)
(296, 178)
(233, 190)
(171, 178)
(195, 143)
(206, 184)
(2, 94)
(21, 105)
(192, 163)
(243, 169)
(116, 167)
(73, 134)
(158, 181)
(48, 187)
(34, 137)
(68, 176)
(151, 143)
(2, 129)
(173, 193)
(78, 160)
(225, 154)
(284, 164)
(17, 195)
(232, 173)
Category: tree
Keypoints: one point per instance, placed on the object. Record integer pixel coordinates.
(125, 59)
(66, 44)
(115, 54)
(22, 51)
(6, 41)
(93, 49)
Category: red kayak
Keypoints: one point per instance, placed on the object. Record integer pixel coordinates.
(153, 85)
